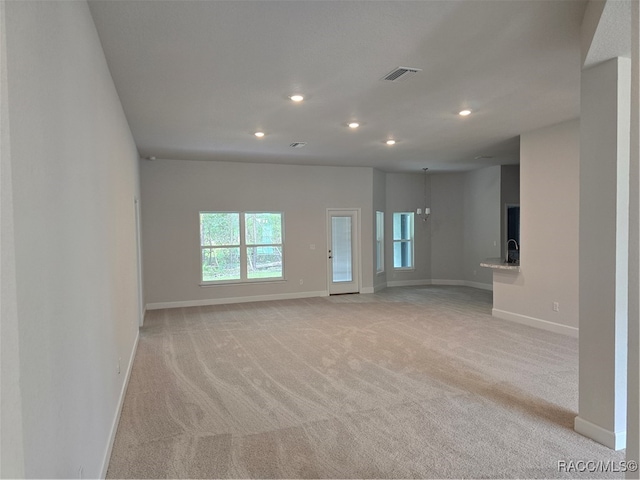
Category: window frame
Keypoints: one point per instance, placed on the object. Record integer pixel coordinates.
(379, 241)
(243, 247)
(410, 241)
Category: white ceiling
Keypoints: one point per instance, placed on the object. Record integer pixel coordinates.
(198, 78)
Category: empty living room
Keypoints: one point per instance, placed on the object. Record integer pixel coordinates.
(319, 239)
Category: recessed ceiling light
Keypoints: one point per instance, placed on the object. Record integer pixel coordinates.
(465, 112)
(296, 98)
(259, 134)
(354, 125)
(391, 142)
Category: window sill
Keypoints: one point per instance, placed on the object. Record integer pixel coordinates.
(242, 282)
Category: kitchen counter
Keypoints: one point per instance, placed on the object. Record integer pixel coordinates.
(500, 264)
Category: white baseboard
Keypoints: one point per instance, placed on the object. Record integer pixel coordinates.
(535, 322)
(116, 420)
(224, 301)
(613, 440)
(446, 281)
(438, 281)
(481, 286)
(408, 283)
(320, 293)
(379, 287)
(463, 283)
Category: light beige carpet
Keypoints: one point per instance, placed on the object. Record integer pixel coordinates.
(417, 382)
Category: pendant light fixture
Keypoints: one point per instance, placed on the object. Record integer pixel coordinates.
(427, 211)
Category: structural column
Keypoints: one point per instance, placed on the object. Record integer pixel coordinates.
(633, 415)
(604, 248)
(11, 444)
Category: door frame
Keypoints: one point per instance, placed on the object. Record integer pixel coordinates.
(355, 242)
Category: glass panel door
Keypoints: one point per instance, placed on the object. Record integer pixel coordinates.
(341, 249)
(343, 254)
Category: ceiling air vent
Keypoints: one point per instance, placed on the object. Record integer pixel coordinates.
(401, 74)
(298, 144)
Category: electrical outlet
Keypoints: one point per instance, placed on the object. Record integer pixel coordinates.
(301, 281)
(556, 307)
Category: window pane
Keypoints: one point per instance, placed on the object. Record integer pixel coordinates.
(264, 262)
(402, 255)
(220, 264)
(402, 226)
(219, 229)
(405, 248)
(396, 226)
(341, 251)
(263, 228)
(379, 225)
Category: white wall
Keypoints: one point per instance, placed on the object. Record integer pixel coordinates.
(73, 177)
(174, 191)
(549, 209)
(481, 223)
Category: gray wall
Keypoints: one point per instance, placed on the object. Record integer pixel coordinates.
(405, 193)
(11, 452)
(461, 232)
(604, 246)
(447, 226)
(173, 192)
(481, 223)
(73, 177)
(465, 225)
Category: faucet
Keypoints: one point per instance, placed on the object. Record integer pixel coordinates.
(508, 241)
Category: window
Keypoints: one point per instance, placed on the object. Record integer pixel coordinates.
(238, 247)
(379, 242)
(403, 240)
(220, 246)
(264, 245)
